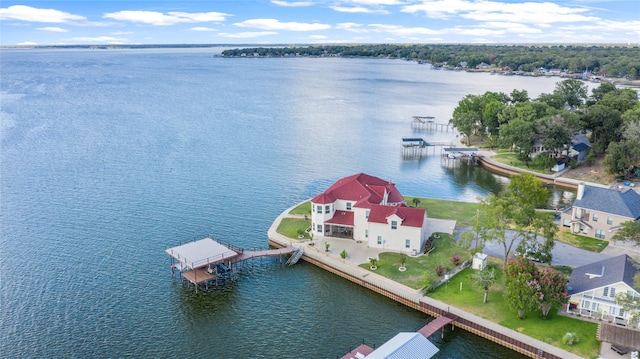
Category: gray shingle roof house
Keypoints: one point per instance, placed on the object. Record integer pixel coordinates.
(592, 288)
(597, 211)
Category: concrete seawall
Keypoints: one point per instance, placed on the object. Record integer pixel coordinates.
(509, 170)
(413, 298)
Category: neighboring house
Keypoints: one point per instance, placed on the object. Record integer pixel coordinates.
(592, 288)
(597, 212)
(369, 209)
(483, 65)
(579, 148)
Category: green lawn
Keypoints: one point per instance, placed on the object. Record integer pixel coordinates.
(463, 212)
(290, 226)
(511, 159)
(588, 243)
(304, 208)
(496, 310)
(413, 277)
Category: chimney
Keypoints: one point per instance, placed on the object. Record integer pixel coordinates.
(580, 191)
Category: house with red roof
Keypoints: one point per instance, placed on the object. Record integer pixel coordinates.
(369, 209)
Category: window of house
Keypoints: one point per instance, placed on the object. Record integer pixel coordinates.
(605, 291)
(348, 206)
(612, 293)
(586, 304)
(609, 220)
(600, 233)
(621, 313)
(313, 207)
(407, 243)
(319, 208)
(367, 213)
(595, 217)
(379, 240)
(320, 228)
(394, 224)
(327, 209)
(366, 233)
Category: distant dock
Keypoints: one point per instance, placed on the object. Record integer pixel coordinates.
(428, 123)
(208, 261)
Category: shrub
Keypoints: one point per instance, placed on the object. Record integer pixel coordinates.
(440, 270)
(570, 338)
(455, 259)
(343, 254)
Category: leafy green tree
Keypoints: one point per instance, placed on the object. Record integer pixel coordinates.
(550, 289)
(630, 304)
(622, 100)
(519, 272)
(598, 93)
(553, 100)
(484, 279)
(520, 135)
(605, 123)
(628, 232)
(573, 92)
(622, 157)
(467, 124)
(416, 201)
(518, 96)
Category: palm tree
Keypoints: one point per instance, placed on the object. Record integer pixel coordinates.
(416, 201)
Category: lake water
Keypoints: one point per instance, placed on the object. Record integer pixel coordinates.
(109, 156)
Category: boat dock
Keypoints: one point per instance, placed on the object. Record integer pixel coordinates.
(207, 261)
(428, 123)
(415, 147)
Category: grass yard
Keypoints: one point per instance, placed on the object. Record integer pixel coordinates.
(511, 159)
(413, 277)
(588, 243)
(304, 208)
(463, 212)
(290, 227)
(497, 310)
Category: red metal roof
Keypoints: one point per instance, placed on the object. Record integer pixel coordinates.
(360, 187)
(411, 217)
(344, 218)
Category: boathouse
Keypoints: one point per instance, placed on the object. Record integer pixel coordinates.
(209, 261)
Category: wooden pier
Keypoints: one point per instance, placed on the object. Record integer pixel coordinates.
(207, 261)
(428, 123)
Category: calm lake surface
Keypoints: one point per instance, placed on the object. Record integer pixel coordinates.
(109, 156)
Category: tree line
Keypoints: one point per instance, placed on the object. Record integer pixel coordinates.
(614, 60)
(609, 116)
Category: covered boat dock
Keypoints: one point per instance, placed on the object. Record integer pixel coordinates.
(207, 260)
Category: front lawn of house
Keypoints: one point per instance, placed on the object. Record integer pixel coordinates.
(413, 277)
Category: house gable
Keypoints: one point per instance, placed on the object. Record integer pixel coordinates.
(604, 273)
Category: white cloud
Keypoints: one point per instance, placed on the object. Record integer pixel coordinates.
(246, 35)
(52, 29)
(28, 13)
(107, 39)
(273, 24)
(403, 31)
(27, 43)
(512, 27)
(351, 26)
(292, 3)
(170, 18)
(526, 12)
(318, 37)
(200, 28)
(120, 33)
(357, 9)
(377, 2)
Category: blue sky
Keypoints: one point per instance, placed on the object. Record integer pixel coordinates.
(318, 21)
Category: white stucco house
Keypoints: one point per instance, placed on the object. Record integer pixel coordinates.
(372, 210)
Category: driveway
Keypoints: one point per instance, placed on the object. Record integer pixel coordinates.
(562, 254)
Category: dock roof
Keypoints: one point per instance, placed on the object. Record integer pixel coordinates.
(201, 253)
